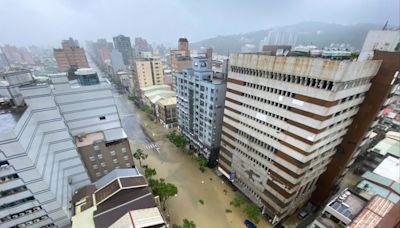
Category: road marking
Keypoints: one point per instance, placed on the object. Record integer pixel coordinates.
(151, 146)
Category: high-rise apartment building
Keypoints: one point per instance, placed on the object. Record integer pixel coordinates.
(70, 56)
(148, 72)
(40, 168)
(180, 59)
(283, 120)
(200, 108)
(123, 45)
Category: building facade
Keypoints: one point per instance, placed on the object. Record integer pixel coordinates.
(40, 168)
(148, 72)
(70, 55)
(166, 112)
(200, 102)
(123, 45)
(102, 152)
(384, 84)
(283, 119)
(180, 59)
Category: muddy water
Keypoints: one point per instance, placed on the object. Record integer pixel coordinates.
(178, 168)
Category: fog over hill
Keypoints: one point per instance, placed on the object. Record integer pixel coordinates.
(316, 33)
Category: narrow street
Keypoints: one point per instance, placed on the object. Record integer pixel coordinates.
(181, 170)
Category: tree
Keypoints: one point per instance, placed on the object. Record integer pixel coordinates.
(163, 189)
(139, 155)
(149, 172)
(238, 200)
(253, 212)
(202, 162)
(188, 224)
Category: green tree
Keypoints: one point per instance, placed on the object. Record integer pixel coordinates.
(188, 224)
(163, 189)
(202, 162)
(149, 172)
(253, 212)
(176, 226)
(238, 200)
(139, 155)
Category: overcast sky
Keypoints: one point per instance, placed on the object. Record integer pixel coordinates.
(47, 22)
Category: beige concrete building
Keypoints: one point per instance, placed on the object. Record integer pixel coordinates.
(283, 119)
(70, 55)
(166, 112)
(147, 72)
(180, 59)
(102, 152)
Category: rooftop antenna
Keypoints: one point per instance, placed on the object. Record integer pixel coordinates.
(385, 27)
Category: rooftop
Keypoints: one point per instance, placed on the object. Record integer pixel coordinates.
(348, 204)
(155, 87)
(108, 135)
(371, 215)
(88, 139)
(9, 118)
(148, 217)
(111, 197)
(167, 101)
(388, 146)
(388, 168)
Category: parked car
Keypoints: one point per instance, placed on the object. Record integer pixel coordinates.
(302, 215)
(249, 224)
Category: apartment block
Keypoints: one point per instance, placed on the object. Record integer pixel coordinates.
(180, 59)
(102, 152)
(200, 102)
(283, 120)
(166, 112)
(70, 56)
(148, 72)
(123, 45)
(39, 165)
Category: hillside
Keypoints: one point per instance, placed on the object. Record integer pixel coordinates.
(317, 33)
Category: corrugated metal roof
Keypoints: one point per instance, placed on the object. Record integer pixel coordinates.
(114, 134)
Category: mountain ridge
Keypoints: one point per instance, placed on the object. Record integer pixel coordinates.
(320, 34)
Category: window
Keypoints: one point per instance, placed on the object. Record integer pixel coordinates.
(92, 158)
(112, 153)
(105, 171)
(127, 164)
(96, 147)
(115, 161)
(102, 118)
(123, 150)
(95, 166)
(126, 158)
(100, 156)
(103, 164)
(98, 174)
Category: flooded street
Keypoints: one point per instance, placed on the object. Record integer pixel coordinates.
(180, 169)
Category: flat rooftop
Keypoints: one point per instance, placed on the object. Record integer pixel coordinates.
(108, 135)
(388, 168)
(9, 118)
(348, 204)
(88, 139)
(168, 101)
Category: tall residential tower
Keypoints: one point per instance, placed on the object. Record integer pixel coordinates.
(283, 119)
(200, 108)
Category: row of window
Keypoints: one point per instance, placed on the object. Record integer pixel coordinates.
(8, 178)
(269, 89)
(31, 222)
(17, 202)
(255, 161)
(266, 101)
(20, 214)
(304, 81)
(12, 191)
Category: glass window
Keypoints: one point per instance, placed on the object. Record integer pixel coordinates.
(112, 153)
(100, 156)
(123, 149)
(103, 164)
(92, 158)
(115, 161)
